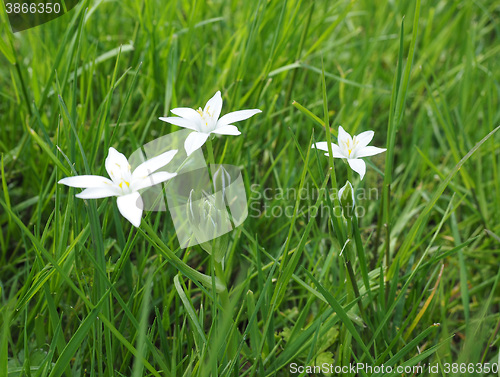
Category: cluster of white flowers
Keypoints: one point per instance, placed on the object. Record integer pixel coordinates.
(126, 185)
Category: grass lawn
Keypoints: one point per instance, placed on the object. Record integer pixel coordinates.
(405, 283)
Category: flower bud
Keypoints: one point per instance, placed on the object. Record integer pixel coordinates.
(222, 180)
(209, 224)
(346, 197)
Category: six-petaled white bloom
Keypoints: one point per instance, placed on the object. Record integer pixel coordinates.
(206, 121)
(124, 183)
(352, 148)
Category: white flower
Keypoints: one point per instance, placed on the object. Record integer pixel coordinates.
(205, 122)
(352, 148)
(123, 184)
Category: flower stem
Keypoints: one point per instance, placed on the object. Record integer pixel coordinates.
(349, 174)
(210, 150)
(219, 273)
(349, 257)
(227, 309)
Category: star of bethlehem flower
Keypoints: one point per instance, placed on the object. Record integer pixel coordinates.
(206, 121)
(352, 149)
(124, 184)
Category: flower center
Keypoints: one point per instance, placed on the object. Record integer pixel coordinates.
(205, 115)
(348, 146)
(351, 147)
(122, 177)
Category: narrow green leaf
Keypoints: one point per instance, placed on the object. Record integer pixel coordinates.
(77, 339)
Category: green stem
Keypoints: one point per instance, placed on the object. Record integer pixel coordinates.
(210, 150)
(227, 314)
(219, 273)
(349, 173)
(219, 270)
(349, 258)
(387, 241)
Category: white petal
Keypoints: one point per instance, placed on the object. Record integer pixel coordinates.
(369, 151)
(323, 145)
(181, 122)
(153, 179)
(227, 129)
(364, 138)
(341, 191)
(85, 181)
(194, 141)
(130, 206)
(358, 166)
(187, 113)
(117, 164)
(214, 106)
(98, 192)
(236, 116)
(344, 136)
(153, 164)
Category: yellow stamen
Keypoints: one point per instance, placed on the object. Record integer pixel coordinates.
(121, 184)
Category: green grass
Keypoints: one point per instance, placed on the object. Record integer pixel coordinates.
(84, 293)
